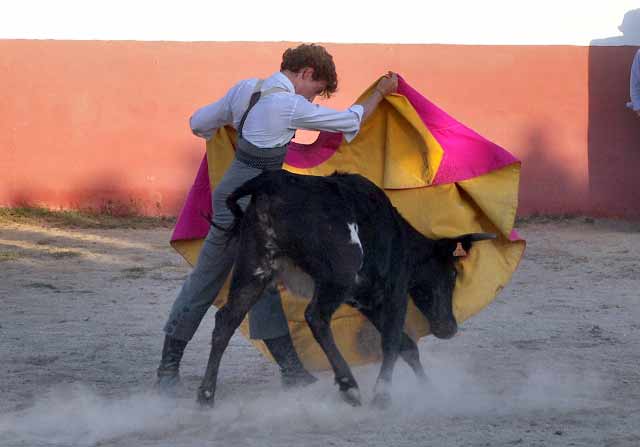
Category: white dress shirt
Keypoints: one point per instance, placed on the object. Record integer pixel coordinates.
(275, 117)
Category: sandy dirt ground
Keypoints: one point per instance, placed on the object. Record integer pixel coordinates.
(554, 361)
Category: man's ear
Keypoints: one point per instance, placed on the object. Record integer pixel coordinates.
(307, 73)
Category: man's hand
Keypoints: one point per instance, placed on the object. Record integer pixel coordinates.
(388, 84)
(385, 86)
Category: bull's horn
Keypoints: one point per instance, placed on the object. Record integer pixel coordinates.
(481, 236)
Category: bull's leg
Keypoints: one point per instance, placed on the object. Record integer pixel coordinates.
(408, 348)
(392, 322)
(327, 298)
(246, 289)
(410, 354)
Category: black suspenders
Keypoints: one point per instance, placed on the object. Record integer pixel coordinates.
(252, 102)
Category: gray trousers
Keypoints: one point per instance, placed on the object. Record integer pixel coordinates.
(266, 318)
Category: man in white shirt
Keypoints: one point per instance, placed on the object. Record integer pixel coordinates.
(266, 115)
(634, 85)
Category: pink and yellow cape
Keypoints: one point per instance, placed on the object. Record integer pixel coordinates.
(442, 176)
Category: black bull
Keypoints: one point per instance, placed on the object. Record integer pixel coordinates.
(337, 239)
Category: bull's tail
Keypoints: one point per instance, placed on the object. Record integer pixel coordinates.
(249, 188)
(458, 247)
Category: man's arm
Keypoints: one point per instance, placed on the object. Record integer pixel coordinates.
(310, 116)
(206, 120)
(634, 83)
(314, 117)
(387, 85)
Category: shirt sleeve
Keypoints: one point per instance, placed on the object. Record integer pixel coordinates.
(635, 82)
(206, 120)
(315, 117)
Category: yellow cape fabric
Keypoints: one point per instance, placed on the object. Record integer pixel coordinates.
(396, 151)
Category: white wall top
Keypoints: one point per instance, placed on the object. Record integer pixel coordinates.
(469, 22)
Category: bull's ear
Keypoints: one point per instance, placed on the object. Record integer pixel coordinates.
(459, 252)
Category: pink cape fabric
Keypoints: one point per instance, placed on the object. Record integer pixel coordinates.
(466, 155)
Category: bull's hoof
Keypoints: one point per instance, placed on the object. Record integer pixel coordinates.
(168, 385)
(381, 400)
(423, 379)
(205, 398)
(425, 382)
(352, 396)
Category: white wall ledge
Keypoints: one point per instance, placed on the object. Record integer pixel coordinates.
(463, 22)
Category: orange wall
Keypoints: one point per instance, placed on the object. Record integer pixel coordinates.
(105, 124)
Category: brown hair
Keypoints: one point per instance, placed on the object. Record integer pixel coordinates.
(316, 57)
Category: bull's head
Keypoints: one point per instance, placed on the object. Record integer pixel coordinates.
(432, 291)
(434, 278)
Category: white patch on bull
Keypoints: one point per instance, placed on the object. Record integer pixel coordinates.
(355, 239)
(260, 273)
(270, 233)
(352, 395)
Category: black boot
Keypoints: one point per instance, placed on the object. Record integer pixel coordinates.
(293, 372)
(169, 369)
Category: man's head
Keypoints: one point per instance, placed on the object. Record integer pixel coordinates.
(311, 70)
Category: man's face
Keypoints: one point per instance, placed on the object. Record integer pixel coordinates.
(306, 86)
